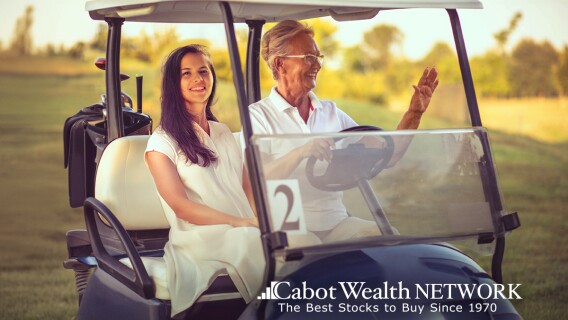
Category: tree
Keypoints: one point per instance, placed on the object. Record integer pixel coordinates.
(443, 57)
(324, 36)
(491, 71)
(77, 51)
(22, 38)
(562, 71)
(502, 36)
(143, 47)
(150, 48)
(50, 50)
(375, 74)
(531, 72)
(377, 46)
(99, 41)
(355, 59)
(375, 53)
(490, 74)
(164, 42)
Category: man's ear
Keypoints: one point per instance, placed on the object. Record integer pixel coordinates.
(279, 65)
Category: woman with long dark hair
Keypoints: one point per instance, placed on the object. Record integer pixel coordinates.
(204, 189)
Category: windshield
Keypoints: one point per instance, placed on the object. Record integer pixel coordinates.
(387, 187)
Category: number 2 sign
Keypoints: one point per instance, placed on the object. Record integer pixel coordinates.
(285, 206)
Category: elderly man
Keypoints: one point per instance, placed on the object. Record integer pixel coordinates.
(295, 60)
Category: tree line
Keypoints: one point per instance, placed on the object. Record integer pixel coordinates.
(375, 71)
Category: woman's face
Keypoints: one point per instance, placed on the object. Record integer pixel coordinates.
(196, 81)
(295, 73)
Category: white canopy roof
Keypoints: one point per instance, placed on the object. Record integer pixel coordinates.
(200, 11)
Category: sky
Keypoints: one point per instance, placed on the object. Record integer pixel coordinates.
(66, 22)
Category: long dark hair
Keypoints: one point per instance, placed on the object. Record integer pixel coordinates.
(176, 119)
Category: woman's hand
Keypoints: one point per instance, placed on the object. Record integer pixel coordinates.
(423, 91)
(245, 222)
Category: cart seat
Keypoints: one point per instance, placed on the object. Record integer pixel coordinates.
(156, 267)
(124, 184)
(222, 288)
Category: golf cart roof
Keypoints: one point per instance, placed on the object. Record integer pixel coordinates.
(200, 11)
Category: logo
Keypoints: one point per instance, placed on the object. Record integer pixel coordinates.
(282, 290)
(360, 297)
(271, 293)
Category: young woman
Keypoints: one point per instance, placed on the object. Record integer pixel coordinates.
(205, 191)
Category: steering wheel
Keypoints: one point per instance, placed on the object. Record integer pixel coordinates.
(350, 165)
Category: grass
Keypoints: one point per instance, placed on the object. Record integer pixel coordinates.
(35, 213)
(540, 118)
(533, 169)
(534, 182)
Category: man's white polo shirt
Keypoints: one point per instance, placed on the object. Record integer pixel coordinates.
(274, 115)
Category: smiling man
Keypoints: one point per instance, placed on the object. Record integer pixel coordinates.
(293, 56)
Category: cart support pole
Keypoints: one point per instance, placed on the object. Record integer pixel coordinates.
(253, 61)
(115, 124)
(375, 207)
(465, 69)
(496, 263)
(236, 67)
(254, 174)
(497, 260)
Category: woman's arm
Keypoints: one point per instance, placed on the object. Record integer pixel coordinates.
(171, 188)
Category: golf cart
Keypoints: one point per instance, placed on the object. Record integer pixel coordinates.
(423, 188)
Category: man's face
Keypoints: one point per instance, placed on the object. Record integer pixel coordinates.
(297, 73)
